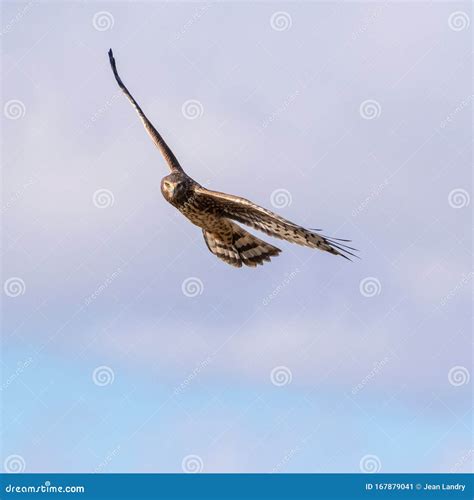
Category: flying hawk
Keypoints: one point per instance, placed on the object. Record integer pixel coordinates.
(217, 213)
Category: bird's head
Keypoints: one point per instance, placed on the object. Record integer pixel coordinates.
(174, 187)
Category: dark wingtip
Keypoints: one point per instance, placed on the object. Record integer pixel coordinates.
(114, 68)
(341, 249)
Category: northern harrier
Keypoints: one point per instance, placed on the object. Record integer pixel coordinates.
(216, 212)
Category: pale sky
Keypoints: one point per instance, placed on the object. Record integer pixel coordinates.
(128, 346)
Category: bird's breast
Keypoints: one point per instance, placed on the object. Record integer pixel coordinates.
(198, 215)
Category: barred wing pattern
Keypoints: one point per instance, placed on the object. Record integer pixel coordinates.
(246, 212)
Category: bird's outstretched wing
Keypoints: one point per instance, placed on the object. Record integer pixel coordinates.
(152, 132)
(246, 212)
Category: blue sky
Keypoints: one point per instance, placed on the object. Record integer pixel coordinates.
(127, 346)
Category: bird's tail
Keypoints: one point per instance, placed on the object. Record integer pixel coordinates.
(245, 248)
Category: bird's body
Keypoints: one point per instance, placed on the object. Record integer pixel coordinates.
(217, 213)
(224, 238)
